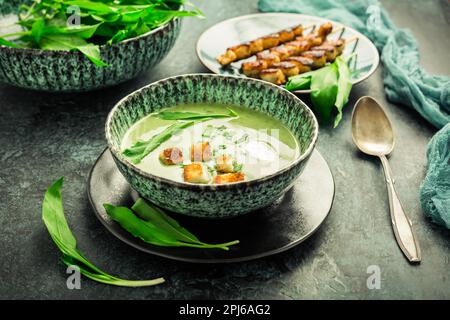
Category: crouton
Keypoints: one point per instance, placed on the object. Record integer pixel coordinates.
(224, 164)
(171, 156)
(229, 178)
(196, 172)
(201, 152)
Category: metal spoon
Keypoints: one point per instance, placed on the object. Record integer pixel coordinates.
(373, 134)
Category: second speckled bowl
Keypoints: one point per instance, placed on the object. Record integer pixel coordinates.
(71, 71)
(212, 201)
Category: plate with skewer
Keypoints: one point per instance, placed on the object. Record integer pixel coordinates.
(276, 46)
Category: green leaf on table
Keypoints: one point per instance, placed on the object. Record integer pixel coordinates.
(344, 87)
(55, 221)
(56, 224)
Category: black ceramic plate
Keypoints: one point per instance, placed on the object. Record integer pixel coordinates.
(271, 230)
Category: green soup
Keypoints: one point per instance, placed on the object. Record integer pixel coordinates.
(258, 144)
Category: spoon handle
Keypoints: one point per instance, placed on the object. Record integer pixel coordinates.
(403, 229)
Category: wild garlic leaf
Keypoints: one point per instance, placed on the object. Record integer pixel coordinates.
(324, 91)
(7, 43)
(37, 29)
(56, 224)
(109, 18)
(158, 230)
(73, 42)
(54, 219)
(344, 88)
(136, 15)
(62, 42)
(103, 278)
(82, 31)
(162, 221)
(139, 228)
(141, 149)
(181, 115)
(91, 6)
(119, 20)
(299, 82)
(92, 51)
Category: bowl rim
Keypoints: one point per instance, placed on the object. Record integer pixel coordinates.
(67, 52)
(212, 187)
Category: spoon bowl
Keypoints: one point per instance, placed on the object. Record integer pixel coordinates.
(372, 131)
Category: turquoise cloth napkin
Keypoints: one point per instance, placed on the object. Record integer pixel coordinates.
(435, 189)
(405, 83)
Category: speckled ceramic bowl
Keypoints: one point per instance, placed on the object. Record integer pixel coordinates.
(71, 71)
(212, 201)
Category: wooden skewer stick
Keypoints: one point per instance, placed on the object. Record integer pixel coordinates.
(347, 41)
(312, 25)
(337, 30)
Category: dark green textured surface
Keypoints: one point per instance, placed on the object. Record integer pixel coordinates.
(44, 136)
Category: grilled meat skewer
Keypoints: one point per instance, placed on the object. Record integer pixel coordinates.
(247, 49)
(308, 60)
(304, 64)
